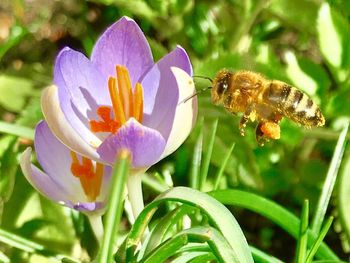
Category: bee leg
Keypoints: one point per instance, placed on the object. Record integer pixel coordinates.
(259, 135)
(245, 118)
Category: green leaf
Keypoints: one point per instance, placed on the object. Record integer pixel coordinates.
(329, 182)
(186, 257)
(276, 213)
(14, 91)
(16, 35)
(207, 157)
(319, 239)
(170, 219)
(8, 168)
(343, 202)
(218, 215)
(17, 130)
(196, 159)
(222, 167)
(218, 244)
(302, 239)
(333, 37)
(289, 12)
(306, 75)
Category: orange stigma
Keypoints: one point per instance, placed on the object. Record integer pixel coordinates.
(125, 103)
(90, 177)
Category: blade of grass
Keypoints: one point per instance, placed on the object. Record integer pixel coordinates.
(222, 167)
(218, 244)
(115, 207)
(18, 130)
(208, 257)
(302, 240)
(261, 257)
(29, 246)
(196, 160)
(329, 182)
(319, 239)
(272, 211)
(188, 256)
(153, 183)
(207, 157)
(158, 233)
(220, 217)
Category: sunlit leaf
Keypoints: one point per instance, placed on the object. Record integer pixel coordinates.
(14, 91)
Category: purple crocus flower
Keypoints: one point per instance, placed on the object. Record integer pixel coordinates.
(69, 179)
(121, 99)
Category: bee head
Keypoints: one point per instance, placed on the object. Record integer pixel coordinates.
(221, 84)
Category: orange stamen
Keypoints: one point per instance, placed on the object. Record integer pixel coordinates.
(125, 89)
(116, 103)
(107, 124)
(90, 178)
(138, 102)
(125, 103)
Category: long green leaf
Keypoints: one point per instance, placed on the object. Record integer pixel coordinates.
(17, 130)
(272, 211)
(218, 214)
(218, 244)
(329, 182)
(207, 157)
(159, 231)
(302, 240)
(319, 239)
(29, 246)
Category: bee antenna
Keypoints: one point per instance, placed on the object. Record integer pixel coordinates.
(203, 77)
(195, 94)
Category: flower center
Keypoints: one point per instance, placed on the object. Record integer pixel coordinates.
(125, 103)
(90, 177)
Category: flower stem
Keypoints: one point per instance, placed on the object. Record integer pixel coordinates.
(135, 196)
(96, 226)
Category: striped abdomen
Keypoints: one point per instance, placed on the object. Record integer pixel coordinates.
(294, 104)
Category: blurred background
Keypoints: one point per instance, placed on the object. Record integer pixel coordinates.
(303, 42)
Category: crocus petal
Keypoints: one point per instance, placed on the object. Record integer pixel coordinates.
(123, 43)
(186, 112)
(161, 91)
(81, 89)
(41, 181)
(146, 145)
(55, 159)
(60, 126)
(88, 207)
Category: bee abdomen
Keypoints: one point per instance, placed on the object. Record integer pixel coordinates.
(294, 104)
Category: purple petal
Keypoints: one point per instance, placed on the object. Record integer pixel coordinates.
(81, 89)
(123, 43)
(161, 91)
(146, 145)
(55, 159)
(88, 207)
(41, 181)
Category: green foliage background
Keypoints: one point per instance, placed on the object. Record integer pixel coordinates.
(303, 42)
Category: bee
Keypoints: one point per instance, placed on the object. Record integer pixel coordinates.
(264, 101)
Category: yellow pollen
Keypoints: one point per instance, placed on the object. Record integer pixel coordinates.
(90, 177)
(125, 103)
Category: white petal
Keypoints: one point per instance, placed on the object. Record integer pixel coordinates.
(186, 112)
(62, 129)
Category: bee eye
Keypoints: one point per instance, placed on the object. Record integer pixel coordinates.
(222, 87)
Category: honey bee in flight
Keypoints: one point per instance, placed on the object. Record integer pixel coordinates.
(264, 101)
